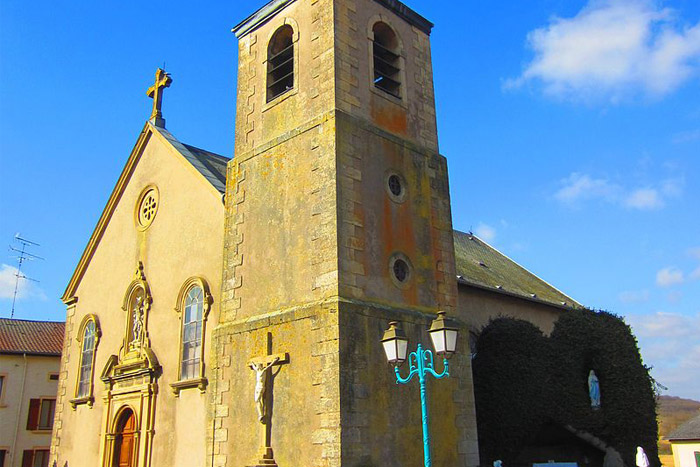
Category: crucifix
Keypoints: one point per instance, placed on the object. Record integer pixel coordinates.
(155, 92)
(264, 377)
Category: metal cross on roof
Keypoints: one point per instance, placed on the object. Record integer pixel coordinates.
(155, 92)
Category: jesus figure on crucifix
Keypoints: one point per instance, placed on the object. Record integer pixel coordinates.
(261, 371)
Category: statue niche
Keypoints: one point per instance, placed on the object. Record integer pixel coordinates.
(136, 306)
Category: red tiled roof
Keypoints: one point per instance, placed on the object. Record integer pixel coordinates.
(18, 336)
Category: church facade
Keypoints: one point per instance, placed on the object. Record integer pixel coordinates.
(230, 312)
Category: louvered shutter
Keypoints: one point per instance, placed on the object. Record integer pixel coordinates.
(28, 458)
(33, 418)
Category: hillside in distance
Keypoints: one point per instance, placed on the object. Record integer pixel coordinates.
(672, 412)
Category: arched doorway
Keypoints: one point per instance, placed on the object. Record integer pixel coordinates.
(124, 440)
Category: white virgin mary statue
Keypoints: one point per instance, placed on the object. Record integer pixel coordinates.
(642, 459)
(594, 389)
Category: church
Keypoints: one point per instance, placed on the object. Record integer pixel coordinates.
(230, 312)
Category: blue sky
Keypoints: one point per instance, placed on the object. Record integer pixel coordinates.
(572, 131)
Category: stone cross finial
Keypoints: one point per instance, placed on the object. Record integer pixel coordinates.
(155, 92)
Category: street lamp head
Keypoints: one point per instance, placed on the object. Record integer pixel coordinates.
(443, 333)
(395, 344)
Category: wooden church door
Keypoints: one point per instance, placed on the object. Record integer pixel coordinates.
(124, 445)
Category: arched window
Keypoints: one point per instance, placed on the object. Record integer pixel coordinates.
(387, 63)
(280, 62)
(88, 337)
(192, 333)
(193, 304)
(86, 359)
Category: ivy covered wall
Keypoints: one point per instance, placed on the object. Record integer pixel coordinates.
(525, 381)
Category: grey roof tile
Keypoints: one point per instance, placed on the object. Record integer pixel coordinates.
(690, 430)
(479, 264)
(211, 165)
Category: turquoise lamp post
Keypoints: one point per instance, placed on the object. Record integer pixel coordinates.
(443, 333)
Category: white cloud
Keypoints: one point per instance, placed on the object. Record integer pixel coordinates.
(644, 199)
(613, 49)
(672, 187)
(666, 325)
(25, 289)
(668, 343)
(669, 276)
(686, 136)
(695, 253)
(634, 296)
(695, 275)
(485, 232)
(579, 187)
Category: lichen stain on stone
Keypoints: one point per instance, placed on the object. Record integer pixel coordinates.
(272, 163)
(390, 117)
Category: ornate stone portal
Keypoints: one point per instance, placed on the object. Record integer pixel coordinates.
(131, 380)
(263, 397)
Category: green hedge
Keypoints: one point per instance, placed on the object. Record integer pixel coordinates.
(523, 380)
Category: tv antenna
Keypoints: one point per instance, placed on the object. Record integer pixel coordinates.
(22, 256)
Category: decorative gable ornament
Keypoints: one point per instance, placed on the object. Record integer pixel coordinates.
(136, 305)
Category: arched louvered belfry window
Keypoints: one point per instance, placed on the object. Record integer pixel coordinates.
(387, 59)
(280, 62)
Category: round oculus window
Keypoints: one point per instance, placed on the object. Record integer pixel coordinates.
(396, 187)
(400, 270)
(147, 207)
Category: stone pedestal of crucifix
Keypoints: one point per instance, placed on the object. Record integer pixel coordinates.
(264, 378)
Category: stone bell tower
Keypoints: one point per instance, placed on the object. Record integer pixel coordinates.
(337, 222)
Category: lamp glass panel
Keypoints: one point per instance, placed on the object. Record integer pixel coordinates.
(438, 338)
(402, 349)
(451, 338)
(390, 350)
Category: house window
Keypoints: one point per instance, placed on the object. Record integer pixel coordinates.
(41, 414)
(35, 458)
(2, 385)
(387, 60)
(280, 63)
(87, 357)
(3, 453)
(192, 334)
(697, 459)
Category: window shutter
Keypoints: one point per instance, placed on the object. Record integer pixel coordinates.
(33, 418)
(28, 458)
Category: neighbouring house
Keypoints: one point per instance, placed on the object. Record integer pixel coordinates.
(685, 443)
(30, 360)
